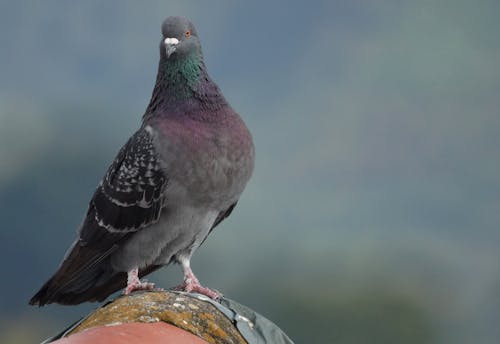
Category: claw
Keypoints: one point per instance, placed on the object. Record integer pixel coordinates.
(134, 283)
(191, 284)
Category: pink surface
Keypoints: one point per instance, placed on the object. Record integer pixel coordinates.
(159, 332)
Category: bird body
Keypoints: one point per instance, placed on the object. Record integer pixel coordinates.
(175, 179)
(208, 166)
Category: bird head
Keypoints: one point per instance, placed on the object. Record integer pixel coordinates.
(180, 38)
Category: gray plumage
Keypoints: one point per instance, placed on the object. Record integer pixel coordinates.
(175, 179)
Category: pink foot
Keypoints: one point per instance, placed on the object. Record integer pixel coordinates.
(134, 283)
(198, 288)
(139, 286)
(191, 284)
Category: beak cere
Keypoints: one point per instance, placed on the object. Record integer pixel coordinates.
(170, 45)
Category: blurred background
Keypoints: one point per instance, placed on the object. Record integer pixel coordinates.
(373, 214)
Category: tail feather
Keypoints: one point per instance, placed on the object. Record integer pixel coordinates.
(75, 280)
(83, 276)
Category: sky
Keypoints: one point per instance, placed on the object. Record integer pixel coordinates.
(376, 131)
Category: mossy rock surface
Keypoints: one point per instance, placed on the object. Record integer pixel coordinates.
(181, 310)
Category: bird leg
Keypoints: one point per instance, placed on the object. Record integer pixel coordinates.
(191, 283)
(134, 283)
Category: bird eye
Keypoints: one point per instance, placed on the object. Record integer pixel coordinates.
(187, 33)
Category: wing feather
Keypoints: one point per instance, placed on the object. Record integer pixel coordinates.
(129, 197)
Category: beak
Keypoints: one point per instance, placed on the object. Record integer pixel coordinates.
(170, 45)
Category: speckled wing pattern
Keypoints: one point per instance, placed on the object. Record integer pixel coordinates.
(132, 193)
(130, 197)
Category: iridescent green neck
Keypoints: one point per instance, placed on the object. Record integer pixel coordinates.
(181, 75)
(179, 82)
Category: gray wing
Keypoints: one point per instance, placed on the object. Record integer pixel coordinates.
(129, 197)
(222, 216)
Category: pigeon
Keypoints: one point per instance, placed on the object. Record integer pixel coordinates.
(176, 178)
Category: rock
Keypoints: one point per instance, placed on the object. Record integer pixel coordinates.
(182, 310)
